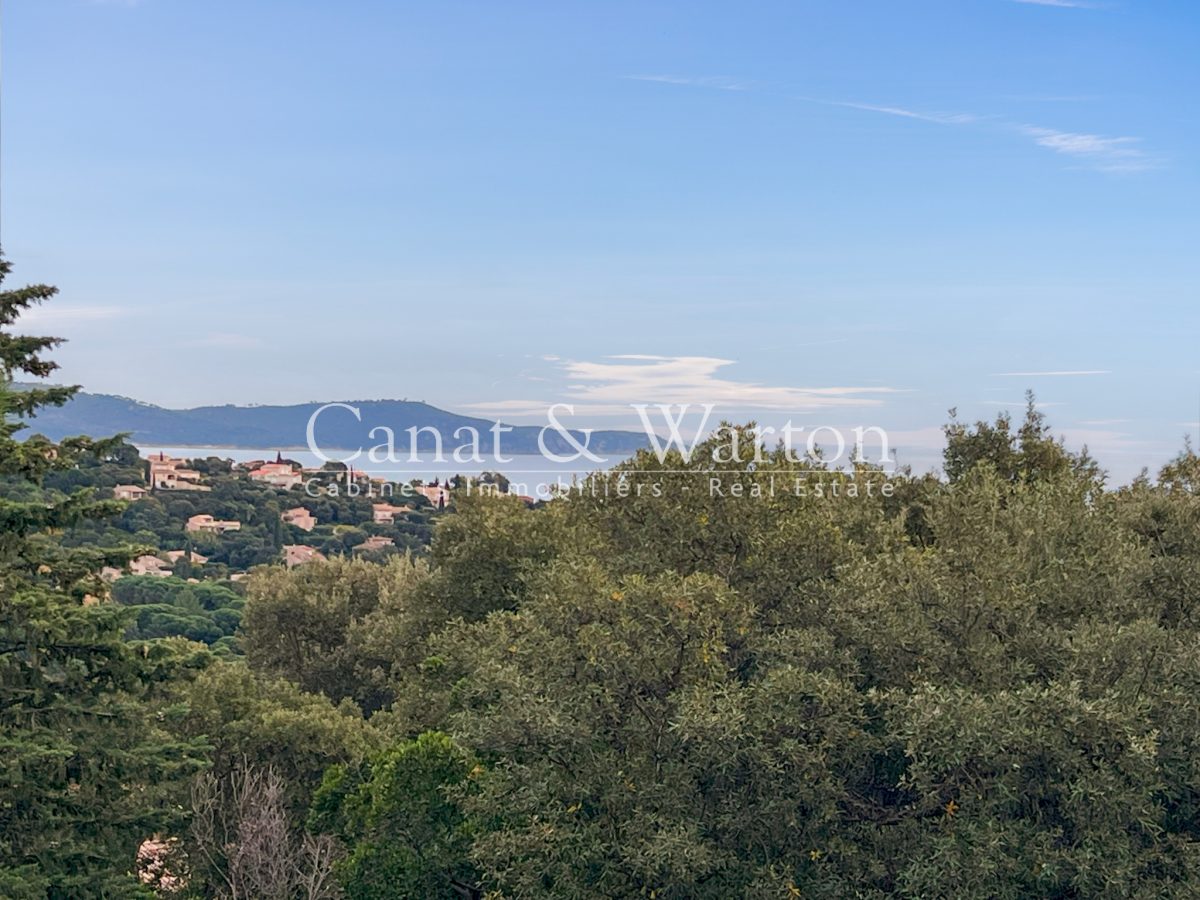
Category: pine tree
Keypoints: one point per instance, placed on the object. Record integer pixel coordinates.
(85, 772)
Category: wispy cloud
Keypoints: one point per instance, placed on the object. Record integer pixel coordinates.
(58, 314)
(1054, 373)
(940, 118)
(715, 82)
(1109, 154)
(1102, 153)
(1096, 151)
(609, 386)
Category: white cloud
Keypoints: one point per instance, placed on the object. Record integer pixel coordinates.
(1061, 373)
(609, 387)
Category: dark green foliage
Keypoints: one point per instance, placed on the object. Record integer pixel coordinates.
(1029, 453)
(982, 688)
(88, 770)
(250, 719)
(399, 814)
(164, 607)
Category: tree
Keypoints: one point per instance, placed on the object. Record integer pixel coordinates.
(88, 771)
(409, 836)
(693, 696)
(243, 837)
(269, 745)
(310, 624)
(1029, 453)
(249, 719)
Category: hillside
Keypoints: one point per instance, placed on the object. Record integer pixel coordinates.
(272, 427)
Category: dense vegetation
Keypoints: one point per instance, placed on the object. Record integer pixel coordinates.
(171, 607)
(983, 685)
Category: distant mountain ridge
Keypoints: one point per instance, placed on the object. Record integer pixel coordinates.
(282, 427)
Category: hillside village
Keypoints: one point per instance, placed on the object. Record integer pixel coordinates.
(197, 527)
(306, 533)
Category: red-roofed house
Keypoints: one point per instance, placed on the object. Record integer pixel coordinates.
(437, 494)
(166, 474)
(375, 542)
(300, 517)
(277, 474)
(205, 522)
(149, 565)
(194, 558)
(385, 513)
(297, 555)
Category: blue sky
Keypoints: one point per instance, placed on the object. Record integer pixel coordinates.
(836, 211)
